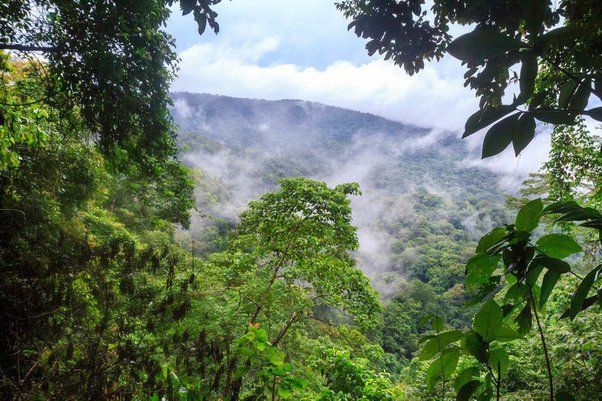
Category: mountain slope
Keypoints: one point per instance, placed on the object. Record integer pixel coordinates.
(422, 206)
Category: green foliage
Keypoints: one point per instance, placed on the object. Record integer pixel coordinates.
(90, 191)
(555, 44)
(115, 58)
(78, 281)
(523, 295)
(285, 272)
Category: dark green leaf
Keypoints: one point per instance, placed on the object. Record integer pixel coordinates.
(484, 117)
(558, 246)
(566, 93)
(528, 72)
(533, 272)
(465, 376)
(481, 44)
(485, 290)
(549, 281)
(499, 136)
(523, 133)
(557, 265)
(479, 268)
(563, 207)
(595, 113)
(488, 321)
(467, 390)
(498, 359)
(524, 320)
(581, 294)
(475, 346)
(564, 396)
(581, 96)
(485, 391)
(491, 239)
(187, 6)
(553, 116)
(529, 215)
(516, 292)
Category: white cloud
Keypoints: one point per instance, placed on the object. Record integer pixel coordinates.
(434, 98)
(426, 99)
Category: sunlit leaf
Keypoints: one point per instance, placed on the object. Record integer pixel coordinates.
(488, 321)
(442, 368)
(558, 246)
(499, 360)
(438, 343)
(529, 215)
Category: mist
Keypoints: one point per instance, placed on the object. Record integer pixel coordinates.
(248, 145)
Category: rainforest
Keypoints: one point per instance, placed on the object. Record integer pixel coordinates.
(183, 219)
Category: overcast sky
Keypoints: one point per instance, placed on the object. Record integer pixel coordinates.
(283, 49)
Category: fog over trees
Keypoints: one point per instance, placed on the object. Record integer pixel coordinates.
(159, 245)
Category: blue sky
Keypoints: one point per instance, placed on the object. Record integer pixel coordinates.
(276, 49)
(312, 33)
(301, 49)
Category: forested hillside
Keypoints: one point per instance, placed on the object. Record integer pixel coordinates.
(179, 247)
(414, 181)
(419, 216)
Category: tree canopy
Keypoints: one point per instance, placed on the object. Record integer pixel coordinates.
(112, 60)
(558, 46)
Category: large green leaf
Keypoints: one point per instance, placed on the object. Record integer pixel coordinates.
(485, 391)
(516, 292)
(479, 268)
(529, 215)
(465, 376)
(438, 343)
(498, 359)
(491, 239)
(507, 334)
(475, 346)
(558, 246)
(484, 117)
(467, 390)
(566, 93)
(581, 96)
(557, 265)
(488, 321)
(442, 368)
(553, 116)
(275, 357)
(528, 72)
(524, 320)
(533, 272)
(481, 44)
